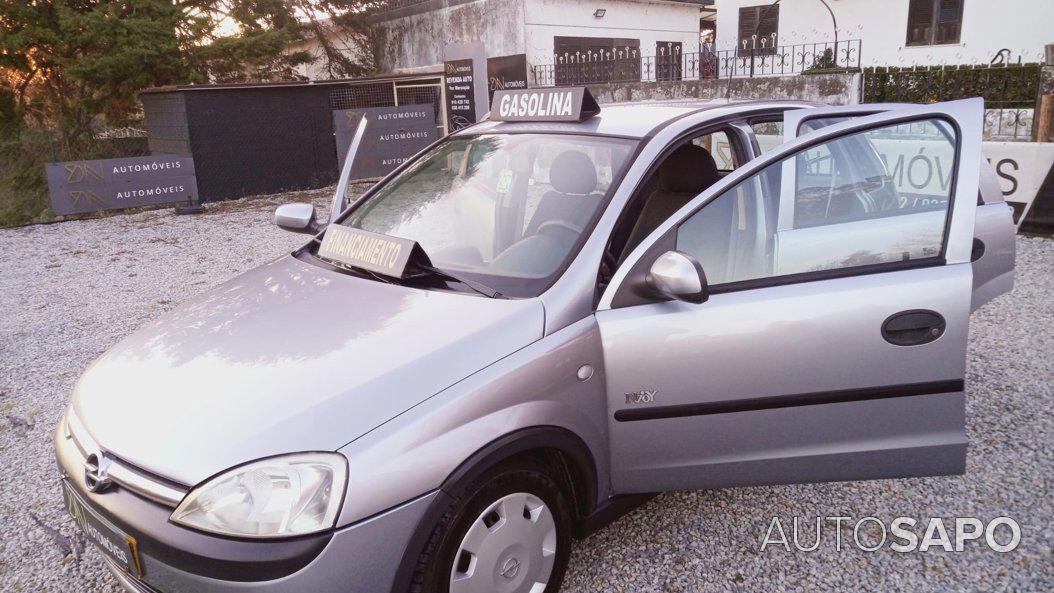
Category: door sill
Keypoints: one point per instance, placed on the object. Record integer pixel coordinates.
(610, 511)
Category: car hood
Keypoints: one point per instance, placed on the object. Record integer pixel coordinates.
(287, 357)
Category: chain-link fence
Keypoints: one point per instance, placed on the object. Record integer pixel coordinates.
(416, 91)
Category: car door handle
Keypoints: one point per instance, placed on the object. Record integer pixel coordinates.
(914, 327)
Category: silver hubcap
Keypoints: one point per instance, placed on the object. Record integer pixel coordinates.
(509, 548)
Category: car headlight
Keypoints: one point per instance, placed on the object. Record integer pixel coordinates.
(277, 497)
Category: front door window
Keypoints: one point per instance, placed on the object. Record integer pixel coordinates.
(853, 201)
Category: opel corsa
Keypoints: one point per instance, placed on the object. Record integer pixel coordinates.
(535, 324)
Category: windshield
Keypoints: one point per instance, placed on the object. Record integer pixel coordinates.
(506, 210)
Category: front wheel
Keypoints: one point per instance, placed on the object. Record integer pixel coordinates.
(507, 532)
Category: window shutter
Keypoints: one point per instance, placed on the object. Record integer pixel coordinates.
(762, 21)
(770, 22)
(920, 22)
(748, 23)
(934, 21)
(949, 21)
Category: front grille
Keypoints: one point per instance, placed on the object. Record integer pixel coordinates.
(122, 473)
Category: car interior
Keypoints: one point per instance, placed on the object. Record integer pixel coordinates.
(558, 220)
(689, 169)
(686, 173)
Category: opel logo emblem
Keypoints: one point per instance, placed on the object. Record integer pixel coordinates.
(510, 568)
(95, 476)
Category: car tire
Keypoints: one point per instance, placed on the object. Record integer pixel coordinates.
(466, 552)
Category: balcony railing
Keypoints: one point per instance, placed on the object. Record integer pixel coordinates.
(670, 63)
(383, 6)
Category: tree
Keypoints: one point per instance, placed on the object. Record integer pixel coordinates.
(69, 61)
(345, 43)
(69, 68)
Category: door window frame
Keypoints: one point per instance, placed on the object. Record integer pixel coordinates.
(623, 294)
(769, 119)
(742, 145)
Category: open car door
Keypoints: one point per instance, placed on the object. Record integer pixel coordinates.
(923, 173)
(832, 345)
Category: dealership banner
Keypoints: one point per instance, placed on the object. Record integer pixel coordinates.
(506, 73)
(1022, 168)
(924, 168)
(393, 134)
(460, 94)
(1025, 171)
(79, 187)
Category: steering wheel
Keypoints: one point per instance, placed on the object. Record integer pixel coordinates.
(559, 224)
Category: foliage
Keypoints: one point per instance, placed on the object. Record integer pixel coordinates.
(346, 44)
(824, 61)
(1005, 86)
(838, 70)
(70, 68)
(23, 152)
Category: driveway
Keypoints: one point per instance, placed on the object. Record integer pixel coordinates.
(71, 290)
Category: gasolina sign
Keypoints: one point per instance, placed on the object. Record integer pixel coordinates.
(565, 104)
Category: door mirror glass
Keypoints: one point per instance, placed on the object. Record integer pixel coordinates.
(678, 276)
(296, 218)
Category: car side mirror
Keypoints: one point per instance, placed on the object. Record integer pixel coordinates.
(297, 218)
(679, 276)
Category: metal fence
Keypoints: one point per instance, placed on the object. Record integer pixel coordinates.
(670, 63)
(1008, 123)
(382, 6)
(754, 59)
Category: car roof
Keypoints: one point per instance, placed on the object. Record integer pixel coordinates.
(637, 119)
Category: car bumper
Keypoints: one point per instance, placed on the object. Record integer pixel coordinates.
(364, 556)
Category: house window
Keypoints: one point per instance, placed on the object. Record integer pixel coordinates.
(758, 27)
(934, 22)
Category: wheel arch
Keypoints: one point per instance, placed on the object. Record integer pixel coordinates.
(570, 451)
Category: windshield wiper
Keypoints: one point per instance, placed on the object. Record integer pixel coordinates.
(479, 287)
(363, 272)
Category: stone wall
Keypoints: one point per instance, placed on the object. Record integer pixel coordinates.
(419, 38)
(830, 89)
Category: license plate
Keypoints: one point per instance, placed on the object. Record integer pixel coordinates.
(116, 544)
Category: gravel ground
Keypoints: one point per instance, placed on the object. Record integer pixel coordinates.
(62, 309)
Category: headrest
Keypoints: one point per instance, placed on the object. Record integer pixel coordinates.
(689, 170)
(572, 172)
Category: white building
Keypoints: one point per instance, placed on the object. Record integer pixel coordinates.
(415, 35)
(554, 27)
(896, 32)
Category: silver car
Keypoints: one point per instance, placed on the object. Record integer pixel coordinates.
(534, 325)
